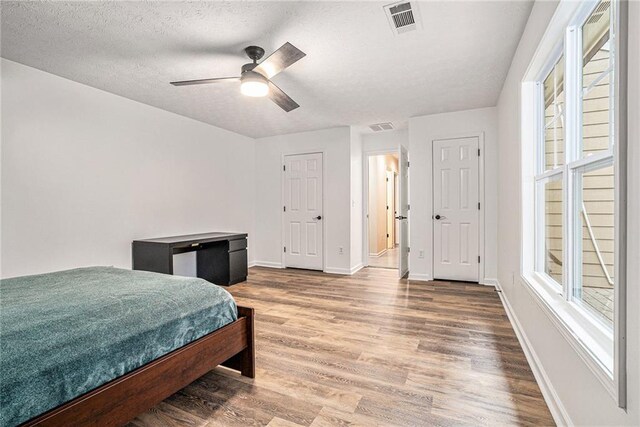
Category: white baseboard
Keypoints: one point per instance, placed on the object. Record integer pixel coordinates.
(379, 254)
(331, 270)
(334, 270)
(344, 271)
(357, 268)
(420, 277)
(558, 411)
(489, 282)
(267, 264)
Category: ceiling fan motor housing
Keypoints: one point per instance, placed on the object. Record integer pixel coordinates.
(248, 67)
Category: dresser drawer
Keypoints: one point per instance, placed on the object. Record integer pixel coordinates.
(238, 244)
(237, 267)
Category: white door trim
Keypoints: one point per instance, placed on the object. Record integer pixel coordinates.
(324, 201)
(481, 219)
(365, 199)
(390, 211)
(403, 155)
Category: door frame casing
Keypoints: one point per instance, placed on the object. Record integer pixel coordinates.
(396, 205)
(481, 199)
(391, 234)
(282, 201)
(365, 198)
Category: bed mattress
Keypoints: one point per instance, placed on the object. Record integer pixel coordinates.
(63, 334)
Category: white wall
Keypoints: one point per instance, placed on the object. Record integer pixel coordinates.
(575, 395)
(422, 131)
(336, 145)
(386, 140)
(356, 253)
(85, 172)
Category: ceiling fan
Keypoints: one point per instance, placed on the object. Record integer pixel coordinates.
(255, 78)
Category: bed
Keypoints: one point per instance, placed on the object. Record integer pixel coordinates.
(99, 345)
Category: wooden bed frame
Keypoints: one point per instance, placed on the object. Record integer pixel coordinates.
(121, 400)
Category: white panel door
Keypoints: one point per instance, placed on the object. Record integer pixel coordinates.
(303, 231)
(403, 211)
(455, 209)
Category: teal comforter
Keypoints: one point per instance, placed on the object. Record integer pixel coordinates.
(63, 334)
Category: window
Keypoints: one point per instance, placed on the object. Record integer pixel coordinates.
(554, 117)
(595, 183)
(571, 206)
(587, 162)
(550, 185)
(551, 189)
(596, 78)
(595, 218)
(580, 261)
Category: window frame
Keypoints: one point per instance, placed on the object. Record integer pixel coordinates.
(600, 346)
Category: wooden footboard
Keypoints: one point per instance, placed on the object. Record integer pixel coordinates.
(245, 361)
(122, 399)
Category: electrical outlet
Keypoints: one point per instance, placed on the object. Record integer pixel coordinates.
(340, 250)
(421, 254)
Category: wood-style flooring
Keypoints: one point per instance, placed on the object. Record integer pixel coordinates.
(366, 350)
(389, 259)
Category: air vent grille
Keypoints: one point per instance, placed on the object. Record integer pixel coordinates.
(378, 127)
(600, 10)
(402, 17)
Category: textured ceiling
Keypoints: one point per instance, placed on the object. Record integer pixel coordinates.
(356, 71)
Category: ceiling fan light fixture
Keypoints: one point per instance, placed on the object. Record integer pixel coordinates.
(254, 84)
(254, 77)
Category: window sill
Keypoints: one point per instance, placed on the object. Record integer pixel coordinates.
(587, 336)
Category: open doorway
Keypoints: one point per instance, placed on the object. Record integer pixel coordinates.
(382, 225)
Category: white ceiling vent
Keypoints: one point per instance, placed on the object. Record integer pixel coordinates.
(402, 16)
(378, 127)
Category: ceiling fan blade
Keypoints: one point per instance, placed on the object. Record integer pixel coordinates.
(282, 99)
(205, 81)
(282, 58)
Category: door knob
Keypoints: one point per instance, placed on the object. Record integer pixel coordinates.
(319, 217)
(437, 216)
(401, 217)
(440, 217)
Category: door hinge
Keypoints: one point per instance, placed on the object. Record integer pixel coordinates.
(478, 259)
(408, 164)
(408, 249)
(478, 205)
(387, 179)
(387, 235)
(284, 208)
(408, 207)
(478, 152)
(284, 168)
(387, 207)
(285, 249)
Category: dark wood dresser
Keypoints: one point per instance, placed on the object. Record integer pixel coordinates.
(221, 258)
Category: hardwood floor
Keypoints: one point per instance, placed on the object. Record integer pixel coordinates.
(387, 260)
(366, 350)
